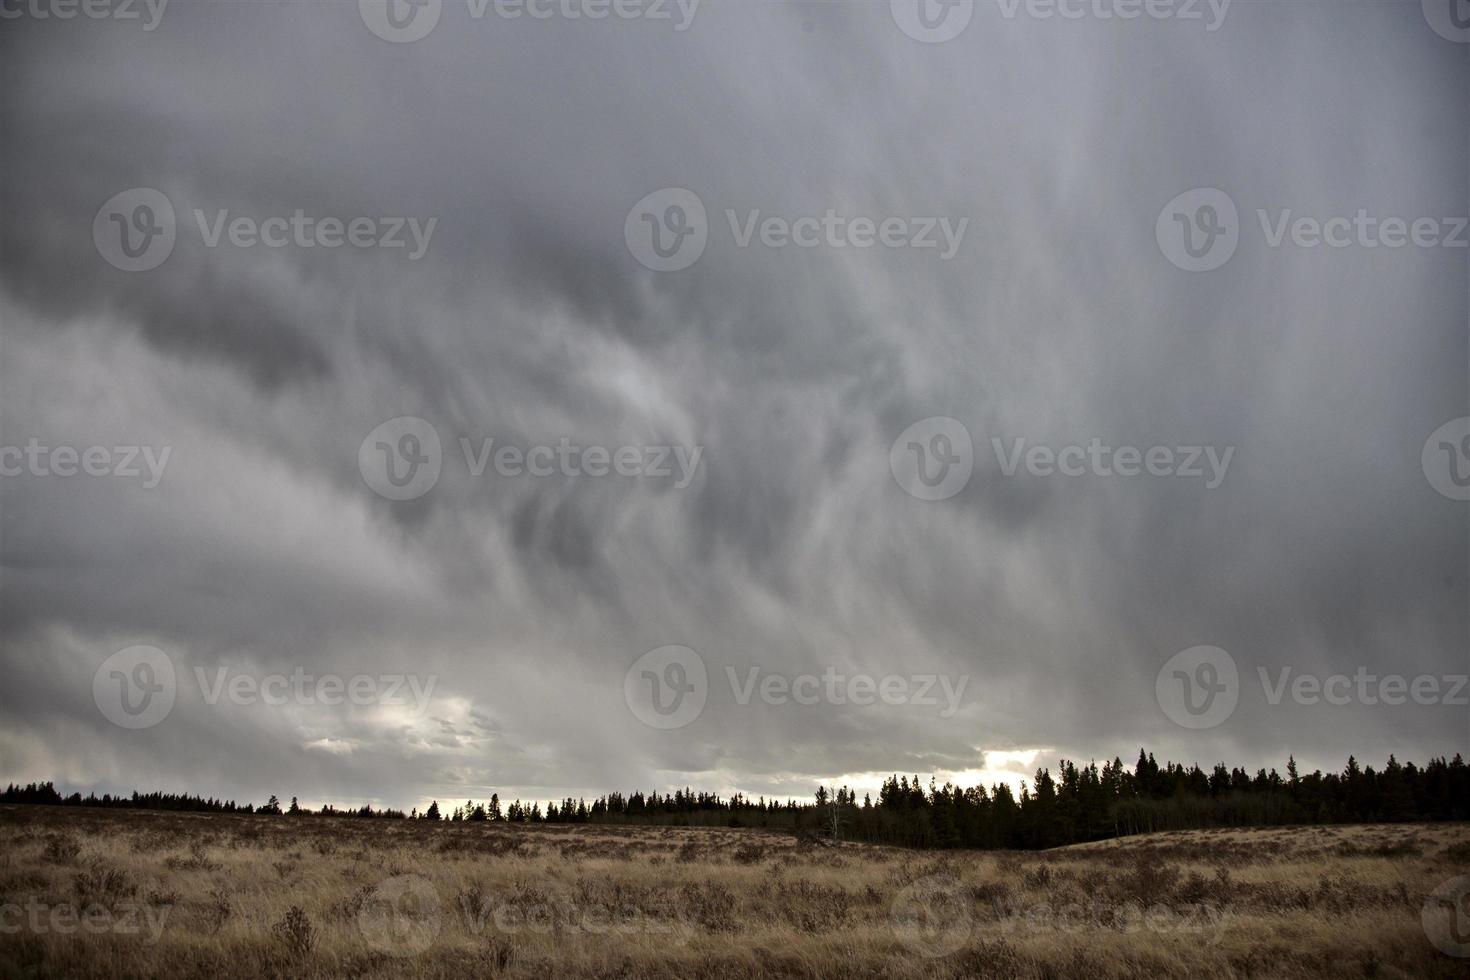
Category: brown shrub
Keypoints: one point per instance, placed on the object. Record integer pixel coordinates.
(1459, 853)
(993, 897)
(103, 885)
(1150, 880)
(61, 849)
(710, 905)
(295, 932)
(814, 908)
(198, 860)
(218, 910)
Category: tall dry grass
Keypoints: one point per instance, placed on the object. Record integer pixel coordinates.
(117, 893)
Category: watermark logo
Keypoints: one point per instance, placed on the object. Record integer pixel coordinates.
(932, 21)
(1201, 687)
(400, 21)
(1199, 229)
(838, 231)
(401, 459)
(666, 920)
(411, 691)
(1204, 921)
(1181, 10)
(667, 688)
(95, 919)
(572, 460)
(135, 688)
(1362, 230)
(1364, 687)
(668, 230)
(932, 916)
(401, 916)
(1186, 462)
(90, 9)
(35, 459)
(1446, 917)
(1450, 19)
(836, 687)
(302, 230)
(404, 21)
(135, 230)
(933, 458)
(1198, 688)
(650, 10)
(1446, 459)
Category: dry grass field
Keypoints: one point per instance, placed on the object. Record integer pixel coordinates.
(87, 893)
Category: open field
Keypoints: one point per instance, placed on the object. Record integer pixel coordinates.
(91, 893)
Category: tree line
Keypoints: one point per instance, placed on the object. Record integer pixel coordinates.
(46, 794)
(1080, 803)
(1085, 803)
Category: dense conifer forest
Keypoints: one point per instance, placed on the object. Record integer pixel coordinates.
(1080, 803)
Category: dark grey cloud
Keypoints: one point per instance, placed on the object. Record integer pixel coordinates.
(793, 550)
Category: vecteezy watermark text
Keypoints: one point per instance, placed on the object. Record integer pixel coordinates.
(35, 459)
(1210, 12)
(668, 919)
(95, 919)
(568, 459)
(679, 12)
(668, 687)
(1365, 687)
(1199, 230)
(124, 10)
(1200, 688)
(405, 21)
(937, 21)
(833, 230)
(403, 458)
(934, 458)
(136, 688)
(936, 915)
(1199, 919)
(136, 230)
(835, 687)
(307, 231)
(668, 230)
(1098, 459)
(301, 687)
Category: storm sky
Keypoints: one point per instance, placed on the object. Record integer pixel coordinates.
(793, 546)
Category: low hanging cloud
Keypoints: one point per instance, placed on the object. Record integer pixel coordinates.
(871, 367)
